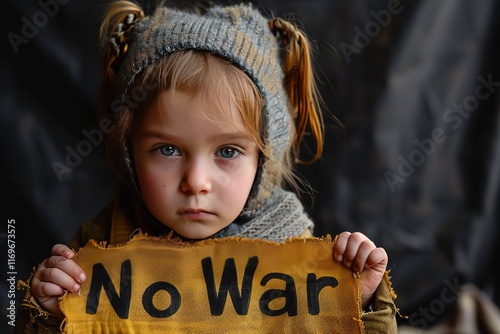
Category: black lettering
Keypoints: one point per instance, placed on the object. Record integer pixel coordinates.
(290, 294)
(314, 286)
(149, 293)
(100, 278)
(229, 282)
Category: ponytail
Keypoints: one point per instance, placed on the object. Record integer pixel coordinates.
(301, 87)
(117, 22)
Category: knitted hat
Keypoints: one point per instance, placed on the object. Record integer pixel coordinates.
(239, 33)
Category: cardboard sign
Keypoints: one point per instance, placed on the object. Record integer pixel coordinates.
(233, 285)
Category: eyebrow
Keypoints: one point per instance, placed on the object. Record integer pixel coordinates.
(167, 137)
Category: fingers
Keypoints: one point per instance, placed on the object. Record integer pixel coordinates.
(358, 252)
(56, 274)
(62, 250)
(60, 271)
(61, 259)
(377, 257)
(45, 290)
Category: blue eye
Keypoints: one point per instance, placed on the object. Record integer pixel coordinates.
(228, 152)
(169, 150)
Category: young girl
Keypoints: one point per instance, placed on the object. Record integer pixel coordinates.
(205, 114)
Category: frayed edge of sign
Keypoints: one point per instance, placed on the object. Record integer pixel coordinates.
(175, 241)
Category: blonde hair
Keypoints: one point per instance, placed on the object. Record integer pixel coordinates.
(202, 72)
(197, 73)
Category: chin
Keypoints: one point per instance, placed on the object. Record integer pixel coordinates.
(195, 236)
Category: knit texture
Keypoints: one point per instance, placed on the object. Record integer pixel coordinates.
(281, 217)
(241, 34)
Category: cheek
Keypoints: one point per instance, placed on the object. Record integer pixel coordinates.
(151, 181)
(156, 194)
(242, 183)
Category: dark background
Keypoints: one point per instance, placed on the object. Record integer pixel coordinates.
(417, 167)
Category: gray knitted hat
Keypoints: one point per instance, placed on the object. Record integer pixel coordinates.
(239, 33)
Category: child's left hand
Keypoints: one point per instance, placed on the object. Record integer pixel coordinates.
(360, 254)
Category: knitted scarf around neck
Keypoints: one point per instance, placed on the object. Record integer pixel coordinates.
(280, 216)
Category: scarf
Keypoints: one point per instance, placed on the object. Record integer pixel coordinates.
(278, 218)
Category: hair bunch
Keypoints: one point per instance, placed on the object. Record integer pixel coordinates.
(300, 85)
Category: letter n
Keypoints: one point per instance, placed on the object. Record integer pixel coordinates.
(100, 278)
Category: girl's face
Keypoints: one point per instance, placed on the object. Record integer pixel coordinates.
(194, 172)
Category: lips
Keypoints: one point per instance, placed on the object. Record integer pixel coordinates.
(195, 213)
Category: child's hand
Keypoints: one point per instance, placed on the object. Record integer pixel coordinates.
(360, 254)
(55, 275)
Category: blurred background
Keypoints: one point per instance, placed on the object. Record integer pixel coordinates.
(416, 167)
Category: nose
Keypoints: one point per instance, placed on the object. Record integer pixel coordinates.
(197, 177)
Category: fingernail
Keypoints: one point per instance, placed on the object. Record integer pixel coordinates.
(348, 264)
(82, 278)
(339, 258)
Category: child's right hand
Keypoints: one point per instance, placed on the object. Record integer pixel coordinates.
(54, 276)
